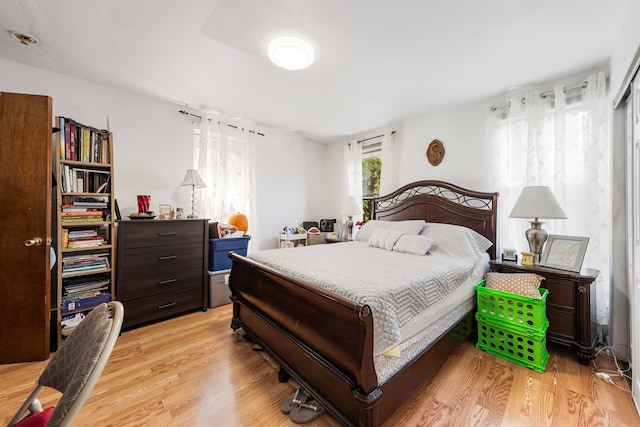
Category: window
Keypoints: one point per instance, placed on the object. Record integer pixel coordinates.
(371, 172)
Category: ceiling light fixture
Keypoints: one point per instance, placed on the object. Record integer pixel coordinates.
(23, 38)
(290, 53)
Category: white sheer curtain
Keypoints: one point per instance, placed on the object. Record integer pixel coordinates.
(353, 170)
(560, 140)
(388, 175)
(224, 156)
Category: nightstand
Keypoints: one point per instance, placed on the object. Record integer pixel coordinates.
(571, 305)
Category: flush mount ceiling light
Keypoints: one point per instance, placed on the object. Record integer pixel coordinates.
(290, 53)
(23, 38)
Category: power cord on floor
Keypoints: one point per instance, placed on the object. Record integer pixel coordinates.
(608, 375)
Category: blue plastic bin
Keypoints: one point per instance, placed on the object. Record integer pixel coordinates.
(219, 251)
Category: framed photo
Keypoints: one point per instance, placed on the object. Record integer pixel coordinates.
(564, 252)
(509, 255)
(165, 212)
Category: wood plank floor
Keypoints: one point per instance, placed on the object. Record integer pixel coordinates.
(191, 371)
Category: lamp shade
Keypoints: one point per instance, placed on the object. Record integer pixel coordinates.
(537, 202)
(193, 178)
(351, 206)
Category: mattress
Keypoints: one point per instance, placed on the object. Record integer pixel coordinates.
(405, 292)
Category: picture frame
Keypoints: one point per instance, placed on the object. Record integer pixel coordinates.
(509, 255)
(165, 212)
(564, 252)
(117, 210)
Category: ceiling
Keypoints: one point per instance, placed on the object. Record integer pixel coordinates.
(378, 62)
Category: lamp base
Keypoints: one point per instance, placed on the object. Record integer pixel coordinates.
(350, 228)
(536, 237)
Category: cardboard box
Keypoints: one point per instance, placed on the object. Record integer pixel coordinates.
(219, 251)
(219, 291)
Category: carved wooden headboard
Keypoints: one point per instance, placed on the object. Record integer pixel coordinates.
(438, 201)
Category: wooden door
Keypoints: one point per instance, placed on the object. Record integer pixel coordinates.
(25, 226)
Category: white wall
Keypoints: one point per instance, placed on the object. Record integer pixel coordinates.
(462, 131)
(153, 148)
(626, 46)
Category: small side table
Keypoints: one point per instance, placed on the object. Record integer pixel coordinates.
(571, 305)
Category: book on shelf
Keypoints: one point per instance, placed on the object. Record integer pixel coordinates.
(91, 232)
(87, 213)
(84, 303)
(86, 202)
(83, 180)
(83, 143)
(70, 219)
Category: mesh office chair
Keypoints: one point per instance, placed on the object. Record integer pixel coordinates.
(75, 368)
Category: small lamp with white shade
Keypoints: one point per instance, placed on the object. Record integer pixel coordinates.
(193, 179)
(351, 207)
(537, 202)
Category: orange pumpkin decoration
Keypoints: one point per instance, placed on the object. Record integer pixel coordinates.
(239, 220)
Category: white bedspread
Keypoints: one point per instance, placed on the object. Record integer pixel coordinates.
(397, 287)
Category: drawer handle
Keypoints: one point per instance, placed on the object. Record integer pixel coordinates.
(172, 233)
(163, 306)
(166, 258)
(167, 282)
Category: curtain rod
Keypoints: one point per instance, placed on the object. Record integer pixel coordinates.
(565, 89)
(393, 132)
(186, 113)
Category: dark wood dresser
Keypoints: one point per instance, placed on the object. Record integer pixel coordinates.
(161, 268)
(571, 305)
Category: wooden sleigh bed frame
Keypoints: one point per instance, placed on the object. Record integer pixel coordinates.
(324, 341)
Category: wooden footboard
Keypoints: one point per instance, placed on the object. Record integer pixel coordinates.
(322, 340)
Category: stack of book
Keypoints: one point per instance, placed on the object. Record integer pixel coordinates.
(83, 293)
(84, 263)
(89, 216)
(78, 209)
(83, 238)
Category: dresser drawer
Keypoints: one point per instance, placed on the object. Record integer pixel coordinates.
(561, 293)
(157, 282)
(159, 233)
(561, 322)
(157, 307)
(140, 260)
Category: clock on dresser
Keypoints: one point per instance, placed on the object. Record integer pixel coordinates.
(571, 305)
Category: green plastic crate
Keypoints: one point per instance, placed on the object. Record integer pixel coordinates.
(525, 346)
(514, 309)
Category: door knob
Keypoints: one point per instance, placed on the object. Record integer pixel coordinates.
(36, 241)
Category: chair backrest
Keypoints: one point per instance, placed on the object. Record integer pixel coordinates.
(76, 367)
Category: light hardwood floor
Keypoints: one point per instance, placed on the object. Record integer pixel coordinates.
(191, 371)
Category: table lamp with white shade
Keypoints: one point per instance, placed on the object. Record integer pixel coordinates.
(193, 179)
(537, 202)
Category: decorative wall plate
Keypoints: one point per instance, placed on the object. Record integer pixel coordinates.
(435, 152)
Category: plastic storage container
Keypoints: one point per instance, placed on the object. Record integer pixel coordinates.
(525, 346)
(219, 251)
(219, 291)
(513, 309)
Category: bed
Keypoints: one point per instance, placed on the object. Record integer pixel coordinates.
(325, 341)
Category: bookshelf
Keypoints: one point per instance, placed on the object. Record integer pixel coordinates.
(84, 219)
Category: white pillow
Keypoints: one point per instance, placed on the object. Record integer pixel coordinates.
(456, 240)
(411, 244)
(406, 227)
(365, 232)
(384, 238)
